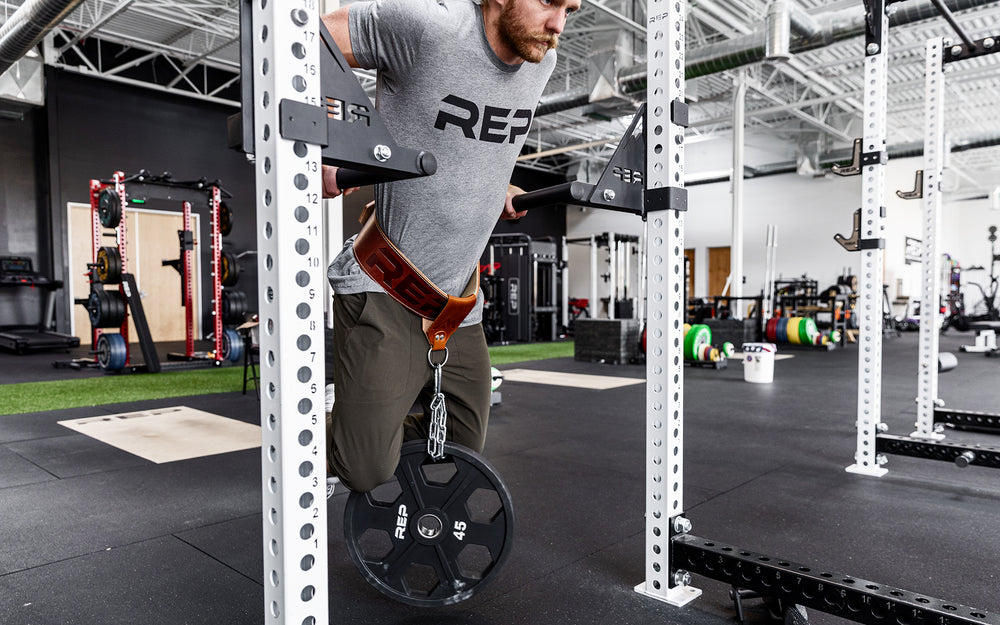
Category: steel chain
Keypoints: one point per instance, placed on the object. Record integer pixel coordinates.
(438, 428)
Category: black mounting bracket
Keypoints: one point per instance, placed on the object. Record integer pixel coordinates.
(979, 47)
(918, 188)
(344, 122)
(860, 159)
(874, 10)
(621, 186)
(855, 243)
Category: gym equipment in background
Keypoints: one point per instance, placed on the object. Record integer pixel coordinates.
(523, 282)
(112, 307)
(671, 554)
(986, 308)
(17, 272)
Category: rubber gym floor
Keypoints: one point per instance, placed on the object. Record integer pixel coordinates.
(93, 534)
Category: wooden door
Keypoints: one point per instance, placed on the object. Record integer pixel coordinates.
(718, 269)
(152, 238)
(689, 255)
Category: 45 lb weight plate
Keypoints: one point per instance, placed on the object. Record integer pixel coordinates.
(112, 352)
(435, 534)
(106, 308)
(229, 273)
(109, 208)
(225, 219)
(109, 265)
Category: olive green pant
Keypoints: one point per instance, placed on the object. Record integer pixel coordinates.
(380, 371)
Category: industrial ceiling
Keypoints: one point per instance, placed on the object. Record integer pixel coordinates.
(803, 94)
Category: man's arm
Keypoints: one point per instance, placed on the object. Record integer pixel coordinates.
(336, 23)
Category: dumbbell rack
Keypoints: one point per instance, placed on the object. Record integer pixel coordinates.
(146, 186)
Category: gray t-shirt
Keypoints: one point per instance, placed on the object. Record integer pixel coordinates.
(442, 88)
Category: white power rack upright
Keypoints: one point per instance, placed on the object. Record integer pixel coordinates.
(666, 117)
(873, 161)
(289, 244)
(926, 441)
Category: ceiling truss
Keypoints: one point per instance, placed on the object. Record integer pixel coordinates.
(191, 48)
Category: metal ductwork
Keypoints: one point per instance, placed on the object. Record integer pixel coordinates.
(808, 32)
(778, 31)
(28, 26)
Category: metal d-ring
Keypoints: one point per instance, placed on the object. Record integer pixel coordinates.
(430, 360)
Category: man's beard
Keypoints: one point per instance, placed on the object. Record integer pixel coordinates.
(516, 35)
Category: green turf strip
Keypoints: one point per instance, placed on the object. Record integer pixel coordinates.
(506, 354)
(114, 389)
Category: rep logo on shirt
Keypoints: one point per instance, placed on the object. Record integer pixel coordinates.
(492, 124)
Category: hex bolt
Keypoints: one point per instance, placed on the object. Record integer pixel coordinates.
(682, 525)
(989, 42)
(965, 458)
(609, 194)
(872, 48)
(882, 427)
(682, 578)
(880, 459)
(382, 153)
(956, 50)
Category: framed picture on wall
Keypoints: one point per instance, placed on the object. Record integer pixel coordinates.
(911, 250)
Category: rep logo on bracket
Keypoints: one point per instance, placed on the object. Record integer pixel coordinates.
(630, 176)
(348, 112)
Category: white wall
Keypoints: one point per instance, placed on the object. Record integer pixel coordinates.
(807, 212)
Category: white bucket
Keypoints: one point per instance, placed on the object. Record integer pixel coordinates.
(758, 362)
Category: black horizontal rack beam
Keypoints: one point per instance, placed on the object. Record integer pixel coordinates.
(980, 47)
(845, 596)
(959, 453)
(971, 419)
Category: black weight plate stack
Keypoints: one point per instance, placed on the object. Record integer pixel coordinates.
(234, 306)
(109, 208)
(229, 273)
(437, 533)
(112, 352)
(106, 308)
(109, 265)
(225, 219)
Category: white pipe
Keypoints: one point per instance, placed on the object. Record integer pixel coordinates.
(564, 299)
(736, 251)
(593, 277)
